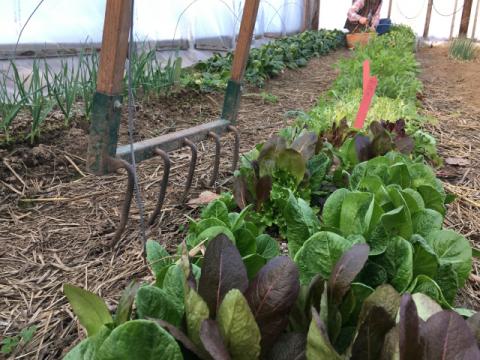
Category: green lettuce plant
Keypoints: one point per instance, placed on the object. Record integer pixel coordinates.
(270, 172)
(255, 247)
(217, 311)
(396, 206)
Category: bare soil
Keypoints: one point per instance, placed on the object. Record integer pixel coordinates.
(56, 220)
(452, 96)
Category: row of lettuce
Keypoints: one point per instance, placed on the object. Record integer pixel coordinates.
(370, 274)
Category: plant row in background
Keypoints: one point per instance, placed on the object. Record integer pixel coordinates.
(266, 61)
(370, 274)
(73, 86)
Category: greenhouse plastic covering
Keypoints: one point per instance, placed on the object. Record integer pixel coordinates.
(77, 22)
(66, 21)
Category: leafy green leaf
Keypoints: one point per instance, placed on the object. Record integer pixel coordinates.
(293, 163)
(318, 343)
(208, 223)
(240, 219)
(318, 167)
(320, 253)
(372, 275)
(196, 311)
(356, 213)
(400, 175)
(90, 308)
(424, 258)
(302, 223)
(245, 242)
(426, 307)
(139, 339)
(213, 232)
(333, 208)
(153, 302)
(267, 246)
(433, 198)
(452, 248)
(426, 221)
(217, 210)
(159, 260)
(88, 348)
(353, 301)
(398, 262)
(124, 308)
(238, 327)
(398, 222)
(447, 279)
(174, 285)
(424, 284)
(253, 264)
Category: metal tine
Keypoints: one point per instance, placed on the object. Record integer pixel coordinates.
(216, 164)
(236, 149)
(191, 170)
(114, 165)
(163, 186)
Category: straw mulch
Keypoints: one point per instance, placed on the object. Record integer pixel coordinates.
(452, 97)
(61, 234)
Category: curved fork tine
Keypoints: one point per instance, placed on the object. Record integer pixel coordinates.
(163, 186)
(216, 164)
(236, 149)
(116, 164)
(191, 171)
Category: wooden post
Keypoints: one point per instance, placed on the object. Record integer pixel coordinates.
(315, 14)
(427, 20)
(452, 27)
(107, 99)
(390, 3)
(307, 15)
(467, 10)
(475, 19)
(242, 49)
(231, 102)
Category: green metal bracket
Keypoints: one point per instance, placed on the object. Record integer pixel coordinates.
(231, 103)
(104, 127)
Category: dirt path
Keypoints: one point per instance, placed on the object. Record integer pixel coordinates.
(64, 237)
(452, 95)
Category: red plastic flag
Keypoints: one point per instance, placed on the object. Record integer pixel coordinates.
(369, 86)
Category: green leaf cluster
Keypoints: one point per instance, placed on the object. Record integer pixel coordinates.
(396, 206)
(265, 62)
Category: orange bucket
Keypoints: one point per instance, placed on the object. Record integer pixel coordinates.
(359, 38)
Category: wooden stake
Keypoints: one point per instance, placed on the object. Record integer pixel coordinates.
(242, 50)
(307, 15)
(105, 119)
(452, 27)
(467, 10)
(427, 20)
(114, 46)
(231, 102)
(315, 14)
(475, 19)
(390, 3)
